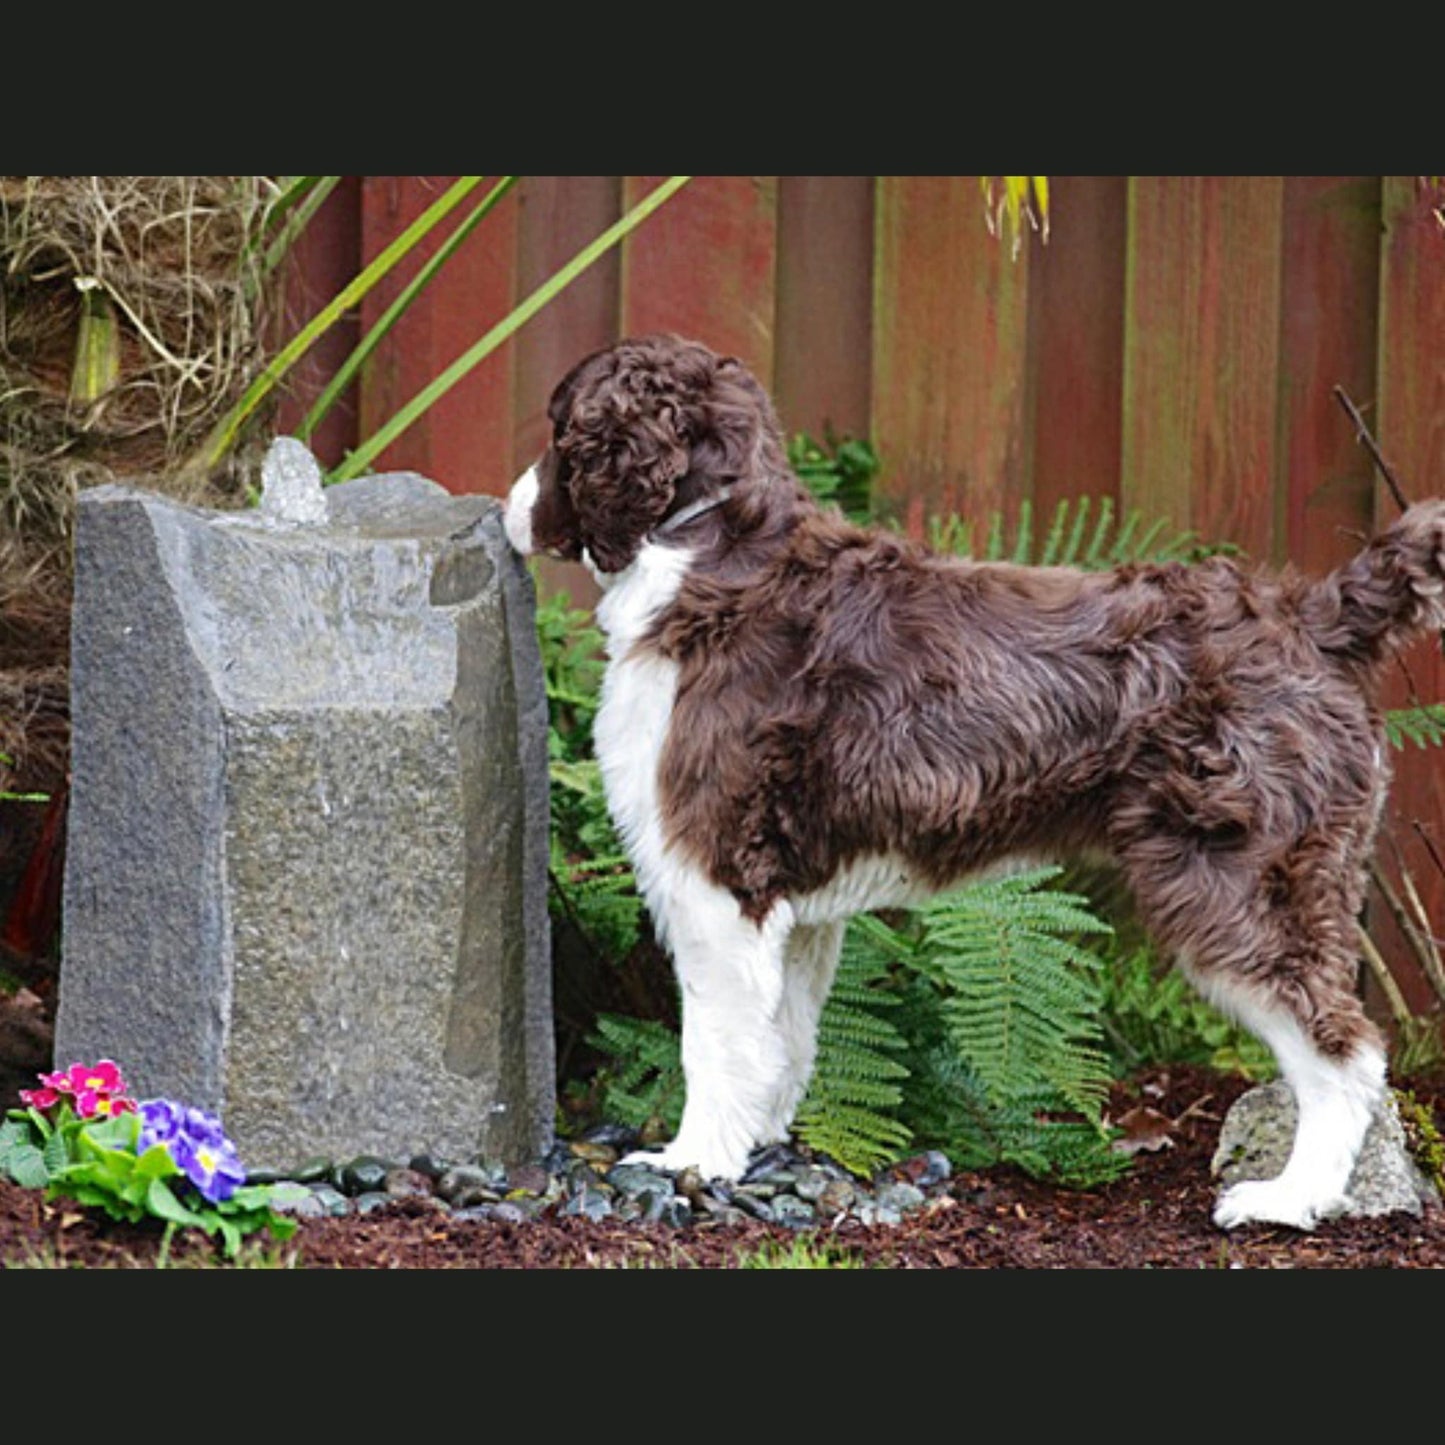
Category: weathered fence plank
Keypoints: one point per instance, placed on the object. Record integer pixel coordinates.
(558, 216)
(703, 265)
(1076, 343)
(1201, 354)
(948, 354)
(1411, 435)
(1329, 312)
(326, 257)
(822, 370)
(465, 441)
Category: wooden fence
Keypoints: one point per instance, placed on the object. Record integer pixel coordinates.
(1173, 346)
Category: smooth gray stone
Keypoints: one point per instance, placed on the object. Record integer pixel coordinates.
(1258, 1133)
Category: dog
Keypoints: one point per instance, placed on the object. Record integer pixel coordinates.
(802, 719)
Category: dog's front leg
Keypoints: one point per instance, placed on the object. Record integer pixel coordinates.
(736, 1058)
(810, 961)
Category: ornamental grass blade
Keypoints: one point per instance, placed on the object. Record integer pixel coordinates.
(297, 204)
(382, 438)
(97, 346)
(228, 428)
(393, 313)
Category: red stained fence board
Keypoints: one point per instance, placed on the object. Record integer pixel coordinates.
(1411, 436)
(465, 440)
(325, 259)
(1329, 312)
(1076, 343)
(822, 371)
(948, 354)
(703, 264)
(1201, 352)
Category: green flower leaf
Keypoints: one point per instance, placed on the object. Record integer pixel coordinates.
(56, 1153)
(26, 1166)
(14, 1132)
(230, 1234)
(162, 1202)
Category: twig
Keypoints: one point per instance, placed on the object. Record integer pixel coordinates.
(1421, 947)
(1433, 966)
(1362, 434)
(1430, 847)
(1398, 1007)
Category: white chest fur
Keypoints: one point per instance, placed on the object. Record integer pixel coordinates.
(638, 689)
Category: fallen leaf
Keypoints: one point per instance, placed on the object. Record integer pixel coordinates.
(1144, 1128)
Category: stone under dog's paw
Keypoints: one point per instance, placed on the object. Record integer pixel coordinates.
(1267, 1201)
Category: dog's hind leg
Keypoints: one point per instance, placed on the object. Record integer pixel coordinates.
(1336, 1096)
(737, 1059)
(1277, 954)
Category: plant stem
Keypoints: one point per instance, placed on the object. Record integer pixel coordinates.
(1362, 434)
(1424, 954)
(1398, 1007)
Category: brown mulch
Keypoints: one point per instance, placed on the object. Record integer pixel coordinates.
(1156, 1217)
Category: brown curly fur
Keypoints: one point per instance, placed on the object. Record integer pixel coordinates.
(843, 694)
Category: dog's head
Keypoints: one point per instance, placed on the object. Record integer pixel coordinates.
(644, 433)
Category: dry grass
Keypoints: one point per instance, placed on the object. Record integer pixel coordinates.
(170, 268)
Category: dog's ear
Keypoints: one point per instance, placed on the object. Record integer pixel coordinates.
(626, 447)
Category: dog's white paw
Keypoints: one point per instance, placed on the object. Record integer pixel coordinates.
(1272, 1201)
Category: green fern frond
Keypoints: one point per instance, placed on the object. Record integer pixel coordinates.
(850, 1111)
(644, 1083)
(1021, 997)
(1424, 726)
(1064, 539)
(582, 776)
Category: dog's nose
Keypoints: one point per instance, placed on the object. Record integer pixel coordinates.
(517, 519)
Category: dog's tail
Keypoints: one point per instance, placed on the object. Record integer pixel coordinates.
(1386, 595)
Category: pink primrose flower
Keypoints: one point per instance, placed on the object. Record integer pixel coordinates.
(96, 1089)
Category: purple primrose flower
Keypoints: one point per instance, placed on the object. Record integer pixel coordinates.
(197, 1143)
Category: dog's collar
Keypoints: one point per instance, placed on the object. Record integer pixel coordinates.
(691, 512)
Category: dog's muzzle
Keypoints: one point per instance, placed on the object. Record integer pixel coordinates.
(517, 519)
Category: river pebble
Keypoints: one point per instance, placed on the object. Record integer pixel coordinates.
(583, 1178)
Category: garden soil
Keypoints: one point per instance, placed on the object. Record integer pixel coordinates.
(1155, 1217)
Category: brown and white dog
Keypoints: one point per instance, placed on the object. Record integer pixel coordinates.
(802, 719)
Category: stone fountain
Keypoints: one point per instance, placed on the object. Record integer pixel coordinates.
(306, 863)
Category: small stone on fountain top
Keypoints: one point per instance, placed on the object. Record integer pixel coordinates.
(292, 493)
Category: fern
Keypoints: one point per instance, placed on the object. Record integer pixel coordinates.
(996, 1056)
(592, 881)
(1009, 1064)
(1424, 726)
(838, 471)
(950, 1109)
(1021, 997)
(850, 1111)
(643, 1087)
(1070, 540)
